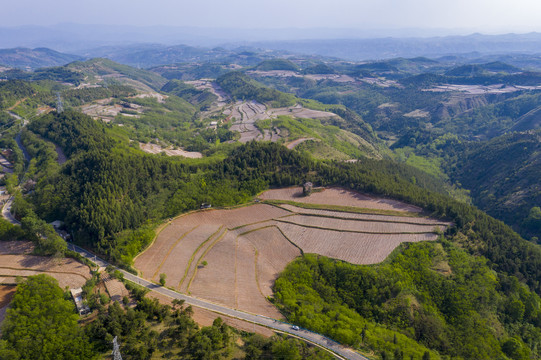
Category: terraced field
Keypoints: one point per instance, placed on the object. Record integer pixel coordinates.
(233, 256)
(15, 261)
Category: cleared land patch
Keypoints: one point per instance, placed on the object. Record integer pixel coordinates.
(156, 149)
(15, 261)
(339, 197)
(233, 256)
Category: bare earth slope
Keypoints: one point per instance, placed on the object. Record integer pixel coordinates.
(233, 256)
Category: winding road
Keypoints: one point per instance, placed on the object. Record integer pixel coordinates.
(338, 350)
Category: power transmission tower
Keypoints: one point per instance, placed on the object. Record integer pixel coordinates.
(116, 350)
(59, 106)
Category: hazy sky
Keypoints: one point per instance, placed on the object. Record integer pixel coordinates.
(475, 15)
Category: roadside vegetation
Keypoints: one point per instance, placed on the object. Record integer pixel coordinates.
(42, 323)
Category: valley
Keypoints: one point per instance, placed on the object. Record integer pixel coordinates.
(188, 174)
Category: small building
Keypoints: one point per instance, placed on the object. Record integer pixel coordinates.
(77, 295)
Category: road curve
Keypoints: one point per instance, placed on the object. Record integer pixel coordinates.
(312, 337)
(6, 212)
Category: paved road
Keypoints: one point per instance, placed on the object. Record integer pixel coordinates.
(220, 309)
(6, 213)
(21, 146)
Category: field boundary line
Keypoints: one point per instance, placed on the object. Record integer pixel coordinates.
(276, 205)
(170, 251)
(250, 224)
(257, 229)
(288, 239)
(195, 253)
(355, 231)
(366, 220)
(160, 229)
(256, 257)
(347, 209)
(201, 257)
(40, 270)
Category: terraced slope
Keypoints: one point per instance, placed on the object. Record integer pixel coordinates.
(233, 256)
(15, 261)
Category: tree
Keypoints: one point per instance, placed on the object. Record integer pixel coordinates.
(41, 324)
(163, 276)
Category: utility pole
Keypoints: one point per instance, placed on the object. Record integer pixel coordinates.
(116, 350)
(59, 106)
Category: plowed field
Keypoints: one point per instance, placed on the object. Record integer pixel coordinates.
(68, 272)
(233, 256)
(339, 197)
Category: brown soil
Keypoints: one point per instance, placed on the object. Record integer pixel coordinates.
(68, 272)
(340, 197)
(16, 247)
(6, 294)
(233, 257)
(156, 149)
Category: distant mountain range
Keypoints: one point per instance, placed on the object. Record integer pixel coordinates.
(339, 43)
(30, 59)
(385, 48)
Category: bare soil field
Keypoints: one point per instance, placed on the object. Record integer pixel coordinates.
(367, 217)
(16, 247)
(103, 112)
(481, 89)
(233, 257)
(115, 288)
(340, 197)
(68, 272)
(300, 112)
(359, 226)
(351, 247)
(246, 114)
(156, 149)
(159, 97)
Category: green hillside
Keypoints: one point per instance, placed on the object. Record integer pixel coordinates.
(241, 87)
(108, 69)
(503, 176)
(277, 64)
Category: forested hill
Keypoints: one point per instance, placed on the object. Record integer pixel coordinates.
(107, 192)
(241, 87)
(104, 67)
(503, 176)
(23, 58)
(106, 188)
